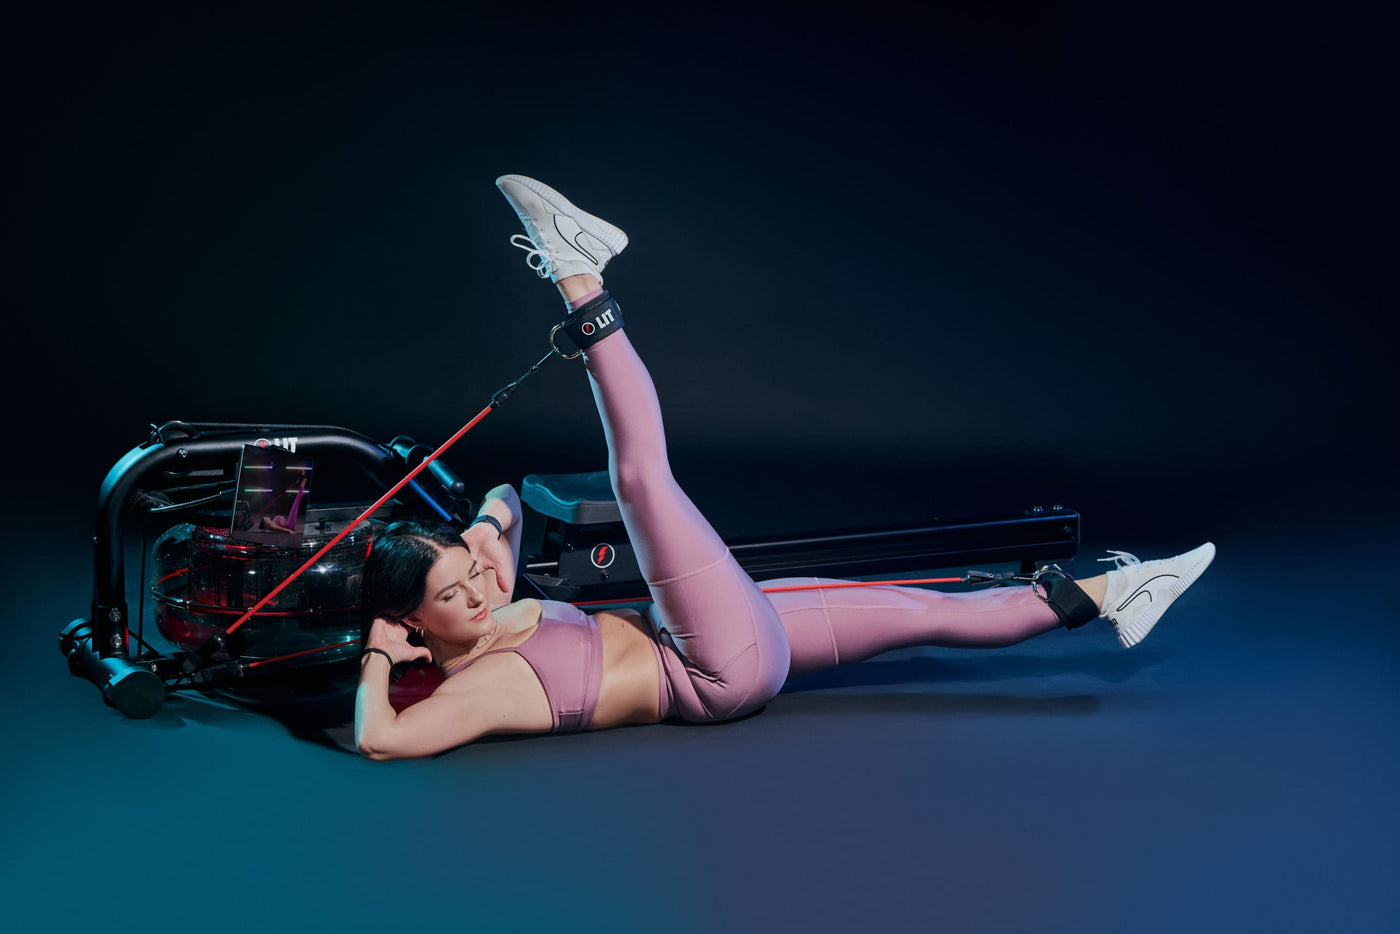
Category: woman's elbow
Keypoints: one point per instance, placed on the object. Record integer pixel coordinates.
(371, 747)
(381, 752)
(376, 754)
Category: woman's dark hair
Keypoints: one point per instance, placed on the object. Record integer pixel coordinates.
(396, 569)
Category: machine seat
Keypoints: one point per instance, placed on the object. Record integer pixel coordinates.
(573, 498)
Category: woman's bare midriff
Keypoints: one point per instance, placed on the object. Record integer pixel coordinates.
(630, 692)
(631, 684)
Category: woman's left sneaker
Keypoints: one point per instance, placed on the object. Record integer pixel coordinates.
(568, 241)
(1139, 592)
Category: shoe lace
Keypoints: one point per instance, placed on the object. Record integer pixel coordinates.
(1120, 559)
(532, 250)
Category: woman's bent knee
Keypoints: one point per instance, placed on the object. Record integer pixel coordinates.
(639, 479)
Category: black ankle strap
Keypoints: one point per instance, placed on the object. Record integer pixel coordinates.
(1069, 601)
(588, 324)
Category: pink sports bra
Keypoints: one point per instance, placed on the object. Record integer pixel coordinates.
(566, 652)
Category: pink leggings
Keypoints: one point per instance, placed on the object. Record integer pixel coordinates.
(723, 647)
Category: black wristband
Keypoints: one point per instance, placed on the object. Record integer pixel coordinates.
(491, 519)
(381, 652)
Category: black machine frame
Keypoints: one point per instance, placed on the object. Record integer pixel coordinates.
(580, 516)
(581, 553)
(185, 456)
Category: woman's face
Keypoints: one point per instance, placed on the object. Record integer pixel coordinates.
(455, 608)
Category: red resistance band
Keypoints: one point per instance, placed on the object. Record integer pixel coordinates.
(498, 399)
(828, 586)
(364, 515)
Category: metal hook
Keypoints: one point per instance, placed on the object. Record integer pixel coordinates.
(576, 353)
(1039, 589)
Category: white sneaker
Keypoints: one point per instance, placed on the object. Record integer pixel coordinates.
(1139, 592)
(568, 241)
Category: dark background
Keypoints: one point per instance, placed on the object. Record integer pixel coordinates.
(902, 262)
(885, 264)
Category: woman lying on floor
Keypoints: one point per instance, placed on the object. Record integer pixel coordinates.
(715, 646)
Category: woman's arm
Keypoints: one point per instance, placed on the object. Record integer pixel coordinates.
(374, 715)
(503, 505)
(434, 724)
(375, 719)
(442, 721)
(478, 703)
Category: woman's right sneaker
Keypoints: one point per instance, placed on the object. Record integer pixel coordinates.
(1139, 592)
(567, 240)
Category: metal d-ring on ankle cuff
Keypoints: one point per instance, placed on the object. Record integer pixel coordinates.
(588, 324)
(1071, 604)
(567, 356)
(1069, 601)
(1039, 589)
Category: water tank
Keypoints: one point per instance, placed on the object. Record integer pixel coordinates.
(205, 578)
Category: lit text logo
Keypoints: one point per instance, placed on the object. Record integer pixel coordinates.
(597, 324)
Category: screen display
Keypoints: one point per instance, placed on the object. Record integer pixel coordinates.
(273, 493)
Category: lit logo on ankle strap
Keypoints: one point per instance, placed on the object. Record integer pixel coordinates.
(601, 322)
(602, 556)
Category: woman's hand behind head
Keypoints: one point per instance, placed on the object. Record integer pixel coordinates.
(495, 560)
(392, 637)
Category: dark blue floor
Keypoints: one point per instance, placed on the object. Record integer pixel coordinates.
(1235, 772)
